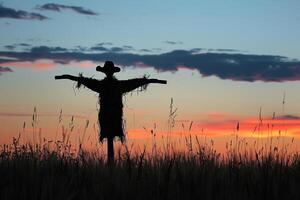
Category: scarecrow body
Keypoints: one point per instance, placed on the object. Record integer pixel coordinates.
(110, 92)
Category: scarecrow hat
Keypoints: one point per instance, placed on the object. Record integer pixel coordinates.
(108, 68)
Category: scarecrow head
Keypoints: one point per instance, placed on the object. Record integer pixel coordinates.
(108, 69)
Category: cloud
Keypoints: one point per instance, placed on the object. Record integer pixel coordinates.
(60, 7)
(100, 47)
(205, 50)
(46, 49)
(42, 64)
(224, 50)
(24, 44)
(116, 49)
(19, 14)
(145, 50)
(231, 66)
(104, 44)
(14, 46)
(128, 47)
(10, 47)
(4, 70)
(172, 42)
(288, 117)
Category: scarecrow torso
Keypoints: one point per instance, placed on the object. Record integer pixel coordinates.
(111, 109)
(110, 95)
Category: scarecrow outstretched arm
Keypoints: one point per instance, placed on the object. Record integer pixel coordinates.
(132, 84)
(87, 82)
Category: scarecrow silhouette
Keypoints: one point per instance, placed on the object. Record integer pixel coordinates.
(111, 91)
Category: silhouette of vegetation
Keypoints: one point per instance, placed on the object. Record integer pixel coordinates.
(36, 172)
(55, 170)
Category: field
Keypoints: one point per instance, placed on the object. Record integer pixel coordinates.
(261, 169)
(41, 172)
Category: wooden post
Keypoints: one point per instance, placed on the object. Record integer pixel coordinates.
(110, 149)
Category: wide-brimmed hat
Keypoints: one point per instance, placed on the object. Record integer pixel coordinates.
(108, 67)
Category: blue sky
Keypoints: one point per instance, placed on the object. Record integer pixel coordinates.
(259, 27)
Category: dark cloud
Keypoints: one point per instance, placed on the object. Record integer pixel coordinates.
(24, 44)
(104, 44)
(145, 50)
(196, 50)
(224, 50)
(4, 70)
(172, 42)
(10, 47)
(288, 117)
(14, 46)
(60, 7)
(99, 48)
(19, 14)
(116, 49)
(46, 49)
(201, 50)
(232, 66)
(128, 47)
(80, 48)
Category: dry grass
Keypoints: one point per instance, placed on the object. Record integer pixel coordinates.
(55, 170)
(36, 172)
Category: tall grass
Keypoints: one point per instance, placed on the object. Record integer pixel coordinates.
(56, 170)
(37, 172)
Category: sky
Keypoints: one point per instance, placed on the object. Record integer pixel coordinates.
(232, 68)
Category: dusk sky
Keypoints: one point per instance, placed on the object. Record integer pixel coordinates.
(225, 63)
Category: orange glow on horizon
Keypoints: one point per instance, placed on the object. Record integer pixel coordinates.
(46, 64)
(218, 127)
(42, 64)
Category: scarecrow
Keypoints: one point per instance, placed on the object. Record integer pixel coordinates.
(111, 91)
